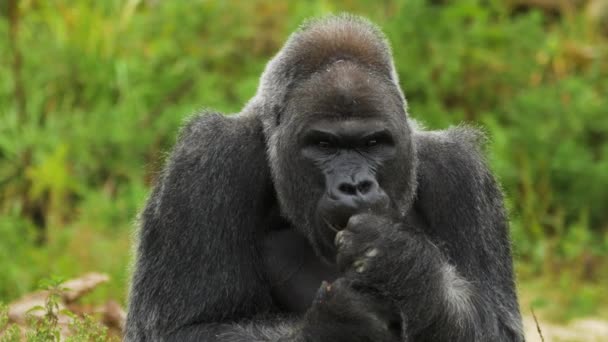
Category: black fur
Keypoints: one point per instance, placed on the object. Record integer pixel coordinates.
(238, 234)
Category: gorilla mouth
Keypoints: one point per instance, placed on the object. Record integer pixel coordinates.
(335, 226)
(325, 239)
(332, 230)
(334, 216)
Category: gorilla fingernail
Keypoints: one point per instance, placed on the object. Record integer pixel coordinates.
(359, 266)
(371, 252)
(339, 240)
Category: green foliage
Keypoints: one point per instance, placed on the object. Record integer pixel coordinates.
(46, 328)
(8, 333)
(88, 329)
(107, 84)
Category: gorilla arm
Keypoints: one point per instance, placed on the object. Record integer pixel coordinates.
(198, 260)
(462, 205)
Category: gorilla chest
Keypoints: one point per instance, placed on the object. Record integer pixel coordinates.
(294, 270)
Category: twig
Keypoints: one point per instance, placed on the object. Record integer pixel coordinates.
(540, 333)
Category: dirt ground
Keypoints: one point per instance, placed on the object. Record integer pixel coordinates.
(581, 330)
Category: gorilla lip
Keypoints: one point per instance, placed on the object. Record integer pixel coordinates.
(331, 226)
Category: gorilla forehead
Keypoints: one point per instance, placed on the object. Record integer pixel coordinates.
(346, 89)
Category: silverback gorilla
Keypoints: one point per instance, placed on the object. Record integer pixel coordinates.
(321, 212)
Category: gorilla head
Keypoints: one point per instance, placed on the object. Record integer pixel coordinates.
(340, 131)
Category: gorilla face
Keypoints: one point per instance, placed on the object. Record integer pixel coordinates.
(348, 155)
(342, 133)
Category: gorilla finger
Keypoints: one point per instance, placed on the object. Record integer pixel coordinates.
(339, 239)
(342, 238)
(323, 292)
(363, 263)
(345, 259)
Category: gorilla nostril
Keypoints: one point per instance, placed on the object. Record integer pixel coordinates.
(364, 186)
(348, 189)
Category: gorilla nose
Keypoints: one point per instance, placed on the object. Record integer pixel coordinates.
(361, 188)
(362, 194)
(350, 197)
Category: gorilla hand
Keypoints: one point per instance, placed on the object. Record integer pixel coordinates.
(384, 256)
(340, 312)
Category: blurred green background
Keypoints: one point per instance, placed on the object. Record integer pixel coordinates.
(92, 94)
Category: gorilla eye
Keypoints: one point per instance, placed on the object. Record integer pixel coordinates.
(324, 144)
(320, 140)
(377, 139)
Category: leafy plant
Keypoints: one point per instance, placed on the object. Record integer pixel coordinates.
(46, 328)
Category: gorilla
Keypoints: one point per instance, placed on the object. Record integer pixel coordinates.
(322, 212)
